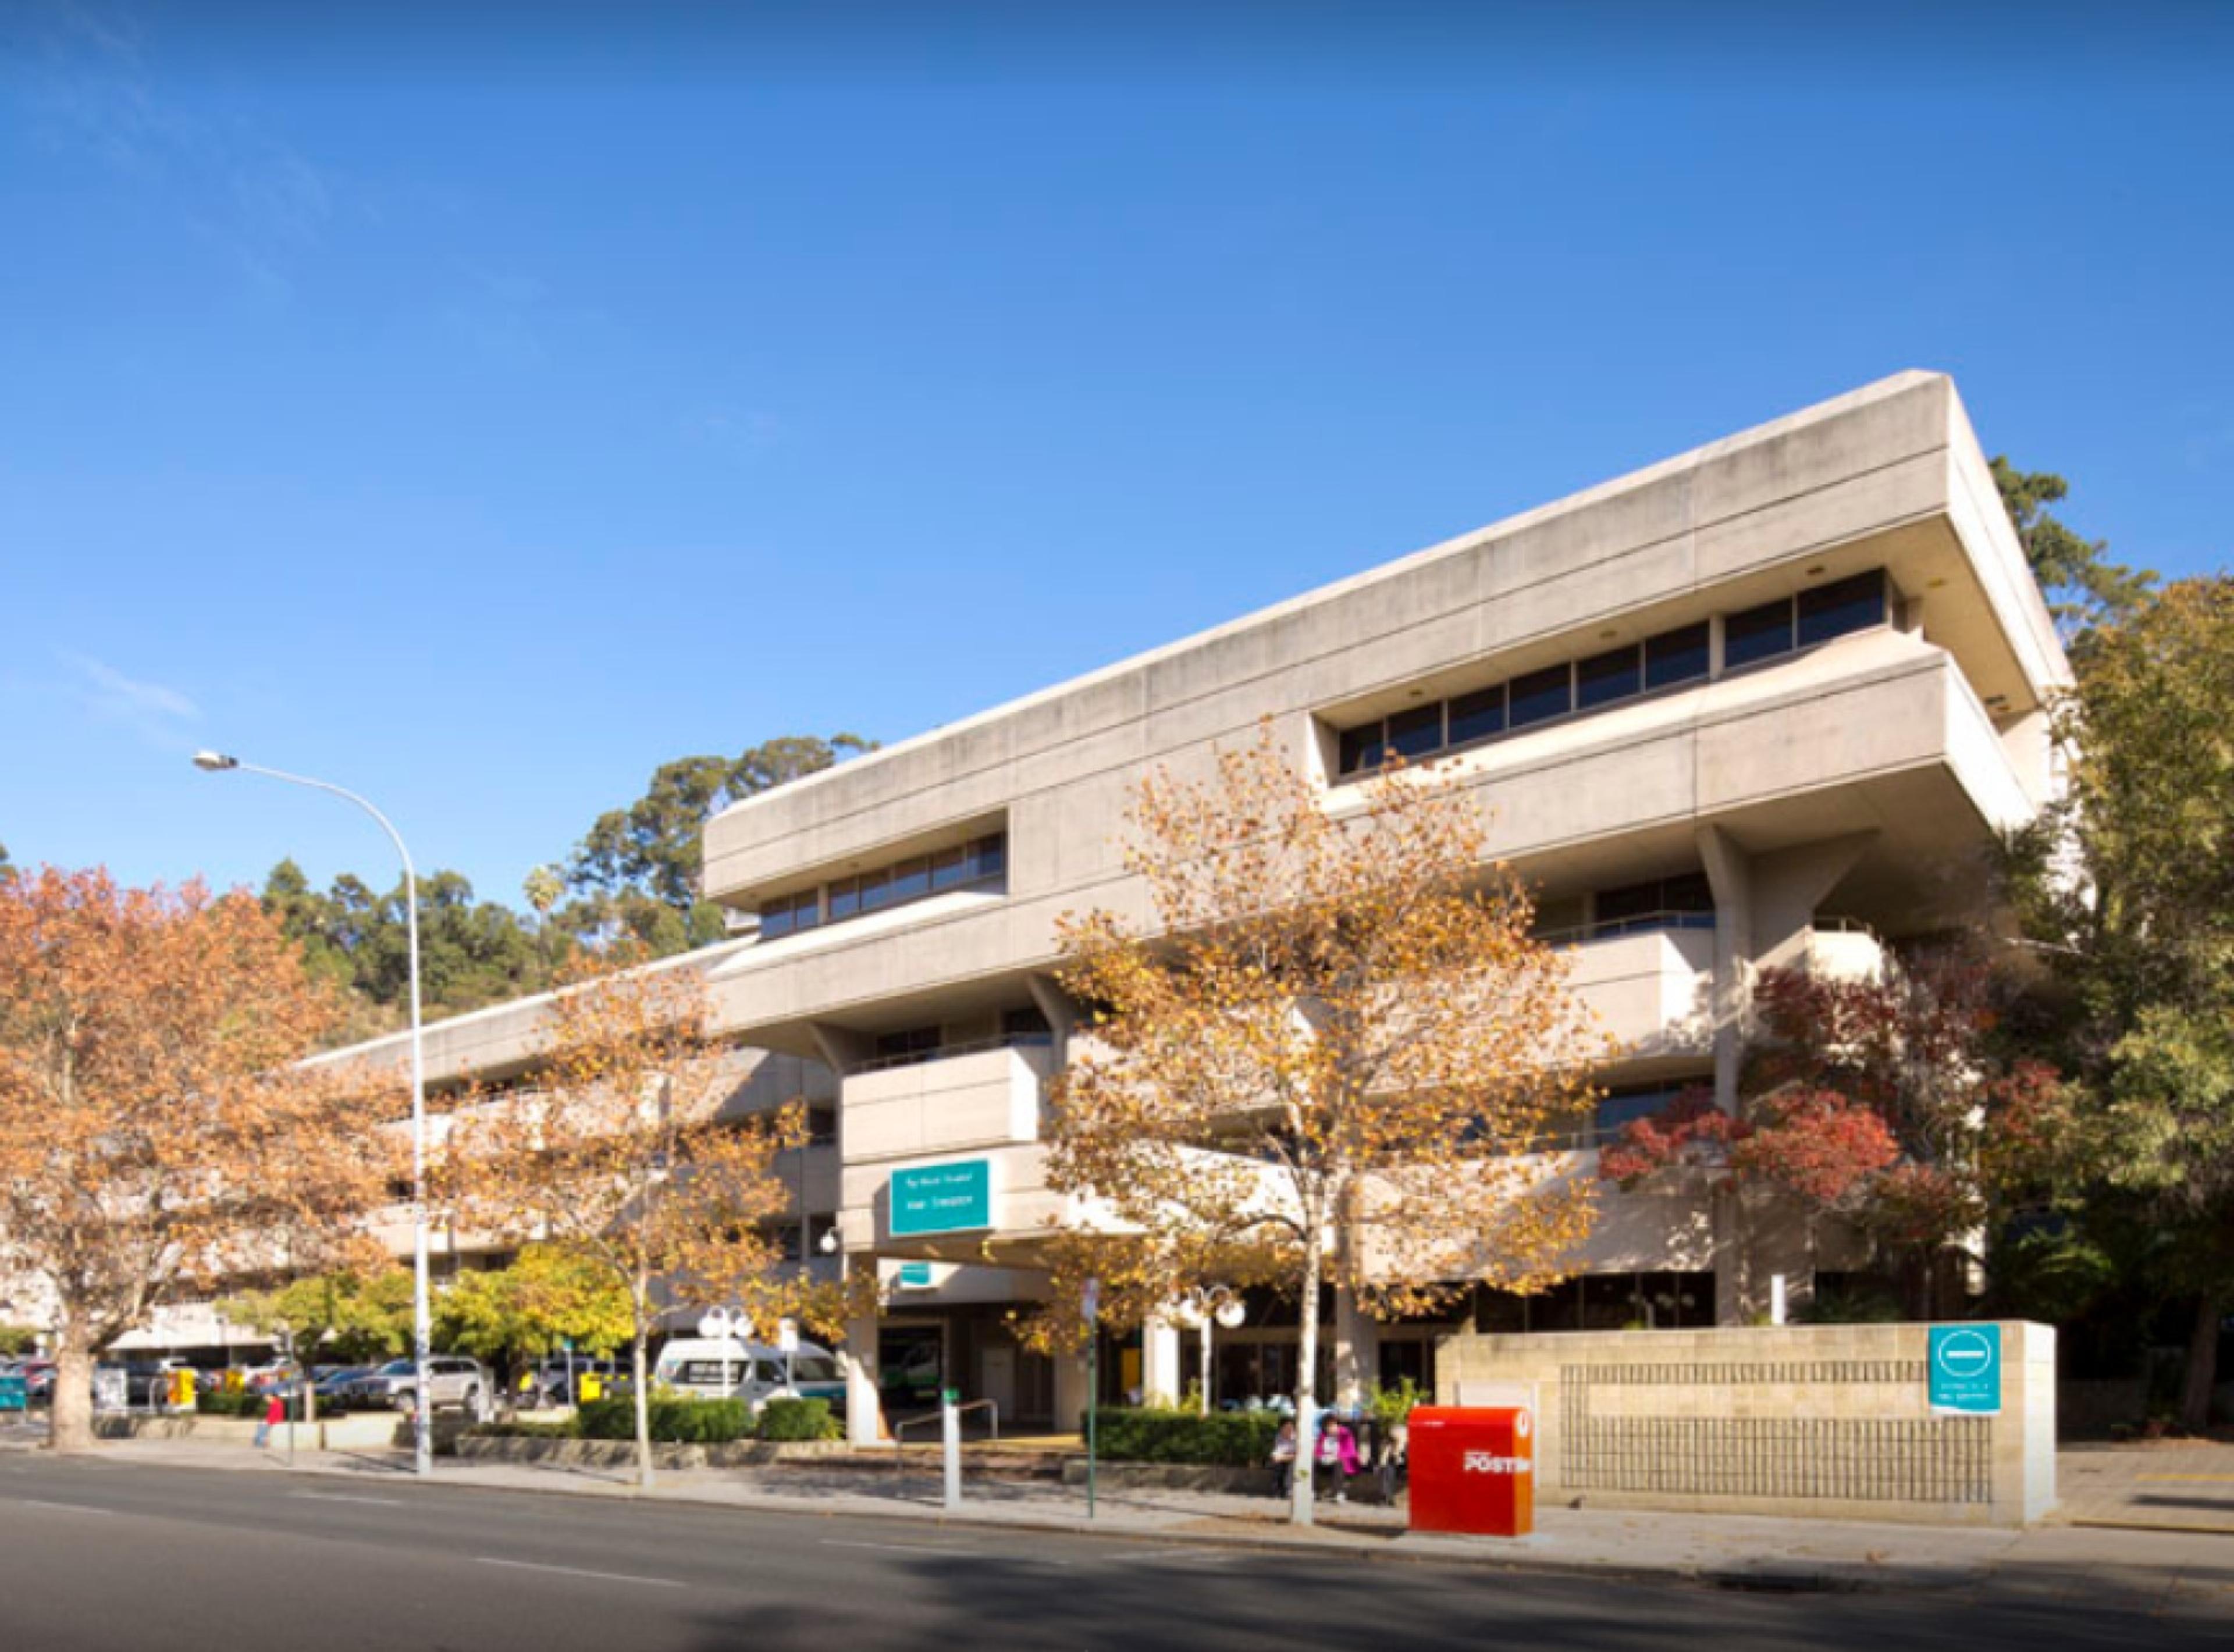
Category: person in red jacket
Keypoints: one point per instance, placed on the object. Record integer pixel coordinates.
(275, 1413)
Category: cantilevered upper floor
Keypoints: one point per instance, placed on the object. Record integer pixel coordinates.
(1822, 627)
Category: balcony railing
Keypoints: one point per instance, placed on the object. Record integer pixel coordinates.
(947, 1052)
(1643, 924)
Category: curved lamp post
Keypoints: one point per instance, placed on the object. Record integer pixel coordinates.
(422, 1455)
(1201, 1306)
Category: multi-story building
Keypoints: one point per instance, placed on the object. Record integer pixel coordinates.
(1761, 704)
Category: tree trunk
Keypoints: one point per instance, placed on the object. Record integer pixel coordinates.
(643, 1465)
(1306, 1377)
(70, 1416)
(2201, 1375)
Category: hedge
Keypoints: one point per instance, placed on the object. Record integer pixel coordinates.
(800, 1420)
(686, 1422)
(1229, 1439)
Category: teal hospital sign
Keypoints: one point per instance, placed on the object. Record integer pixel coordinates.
(1965, 1370)
(943, 1198)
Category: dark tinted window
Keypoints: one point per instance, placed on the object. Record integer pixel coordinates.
(1842, 606)
(1361, 748)
(1690, 892)
(1759, 633)
(949, 867)
(1631, 900)
(776, 920)
(1478, 715)
(989, 858)
(1603, 677)
(911, 880)
(1541, 695)
(1619, 1107)
(1417, 732)
(844, 898)
(876, 890)
(1676, 656)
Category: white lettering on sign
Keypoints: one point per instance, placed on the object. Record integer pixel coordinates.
(1482, 1462)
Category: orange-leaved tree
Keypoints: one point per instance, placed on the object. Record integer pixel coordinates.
(1332, 1037)
(617, 1153)
(159, 1135)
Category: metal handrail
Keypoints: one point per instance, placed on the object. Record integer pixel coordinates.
(905, 1423)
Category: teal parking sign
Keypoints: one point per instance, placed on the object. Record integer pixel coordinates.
(943, 1198)
(915, 1276)
(1966, 1369)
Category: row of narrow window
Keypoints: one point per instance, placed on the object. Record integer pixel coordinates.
(973, 864)
(1667, 661)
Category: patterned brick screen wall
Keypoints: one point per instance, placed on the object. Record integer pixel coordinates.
(1934, 1459)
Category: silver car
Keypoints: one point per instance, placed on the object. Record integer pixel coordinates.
(452, 1380)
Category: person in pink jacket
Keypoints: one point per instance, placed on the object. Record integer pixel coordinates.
(1338, 1454)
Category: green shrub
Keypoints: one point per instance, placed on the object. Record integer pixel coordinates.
(230, 1405)
(569, 1428)
(1229, 1439)
(686, 1422)
(800, 1420)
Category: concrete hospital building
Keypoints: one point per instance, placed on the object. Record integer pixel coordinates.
(1760, 705)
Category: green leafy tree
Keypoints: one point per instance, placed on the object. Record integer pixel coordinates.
(341, 1317)
(2084, 588)
(638, 869)
(2127, 893)
(523, 1312)
(19, 1338)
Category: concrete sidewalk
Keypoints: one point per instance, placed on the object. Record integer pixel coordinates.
(2144, 1570)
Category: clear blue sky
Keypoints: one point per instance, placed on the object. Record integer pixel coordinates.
(478, 406)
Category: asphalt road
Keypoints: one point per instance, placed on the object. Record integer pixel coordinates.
(104, 1558)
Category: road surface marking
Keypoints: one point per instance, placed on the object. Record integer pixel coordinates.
(576, 1571)
(72, 1508)
(343, 1496)
(902, 1547)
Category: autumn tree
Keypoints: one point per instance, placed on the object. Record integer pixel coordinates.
(158, 1135)
(1335, 1040)
(617, 1156)
(1885, 1100)
(2126, 894)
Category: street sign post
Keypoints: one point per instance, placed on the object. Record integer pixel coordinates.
(1090, 1301)
(1965, 1370)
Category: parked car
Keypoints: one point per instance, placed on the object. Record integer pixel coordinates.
(39, 1380)
(334, 1381)
(454, 1381)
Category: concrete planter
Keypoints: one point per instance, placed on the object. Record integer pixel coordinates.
(1173, 1477)
(621, 1453)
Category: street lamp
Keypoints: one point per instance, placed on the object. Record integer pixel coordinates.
(1200, 1307)
(422, 1455)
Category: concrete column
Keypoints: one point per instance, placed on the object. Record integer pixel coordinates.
(1070, 1395)
(1160, 1362)
(1729, 874)
(864, 1411)
(1356, 1349)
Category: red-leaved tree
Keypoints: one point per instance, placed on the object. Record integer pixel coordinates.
(1880, 1099)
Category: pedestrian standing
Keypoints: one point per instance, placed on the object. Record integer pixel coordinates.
(275, 1413)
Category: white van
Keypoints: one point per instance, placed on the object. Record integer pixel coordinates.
(723, 1367)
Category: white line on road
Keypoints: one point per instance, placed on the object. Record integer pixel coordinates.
(71, 1508)
(343, 1496)
(576, 1571)
(901, 1548)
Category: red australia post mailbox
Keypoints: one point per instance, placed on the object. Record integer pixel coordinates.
(1474, 1469)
